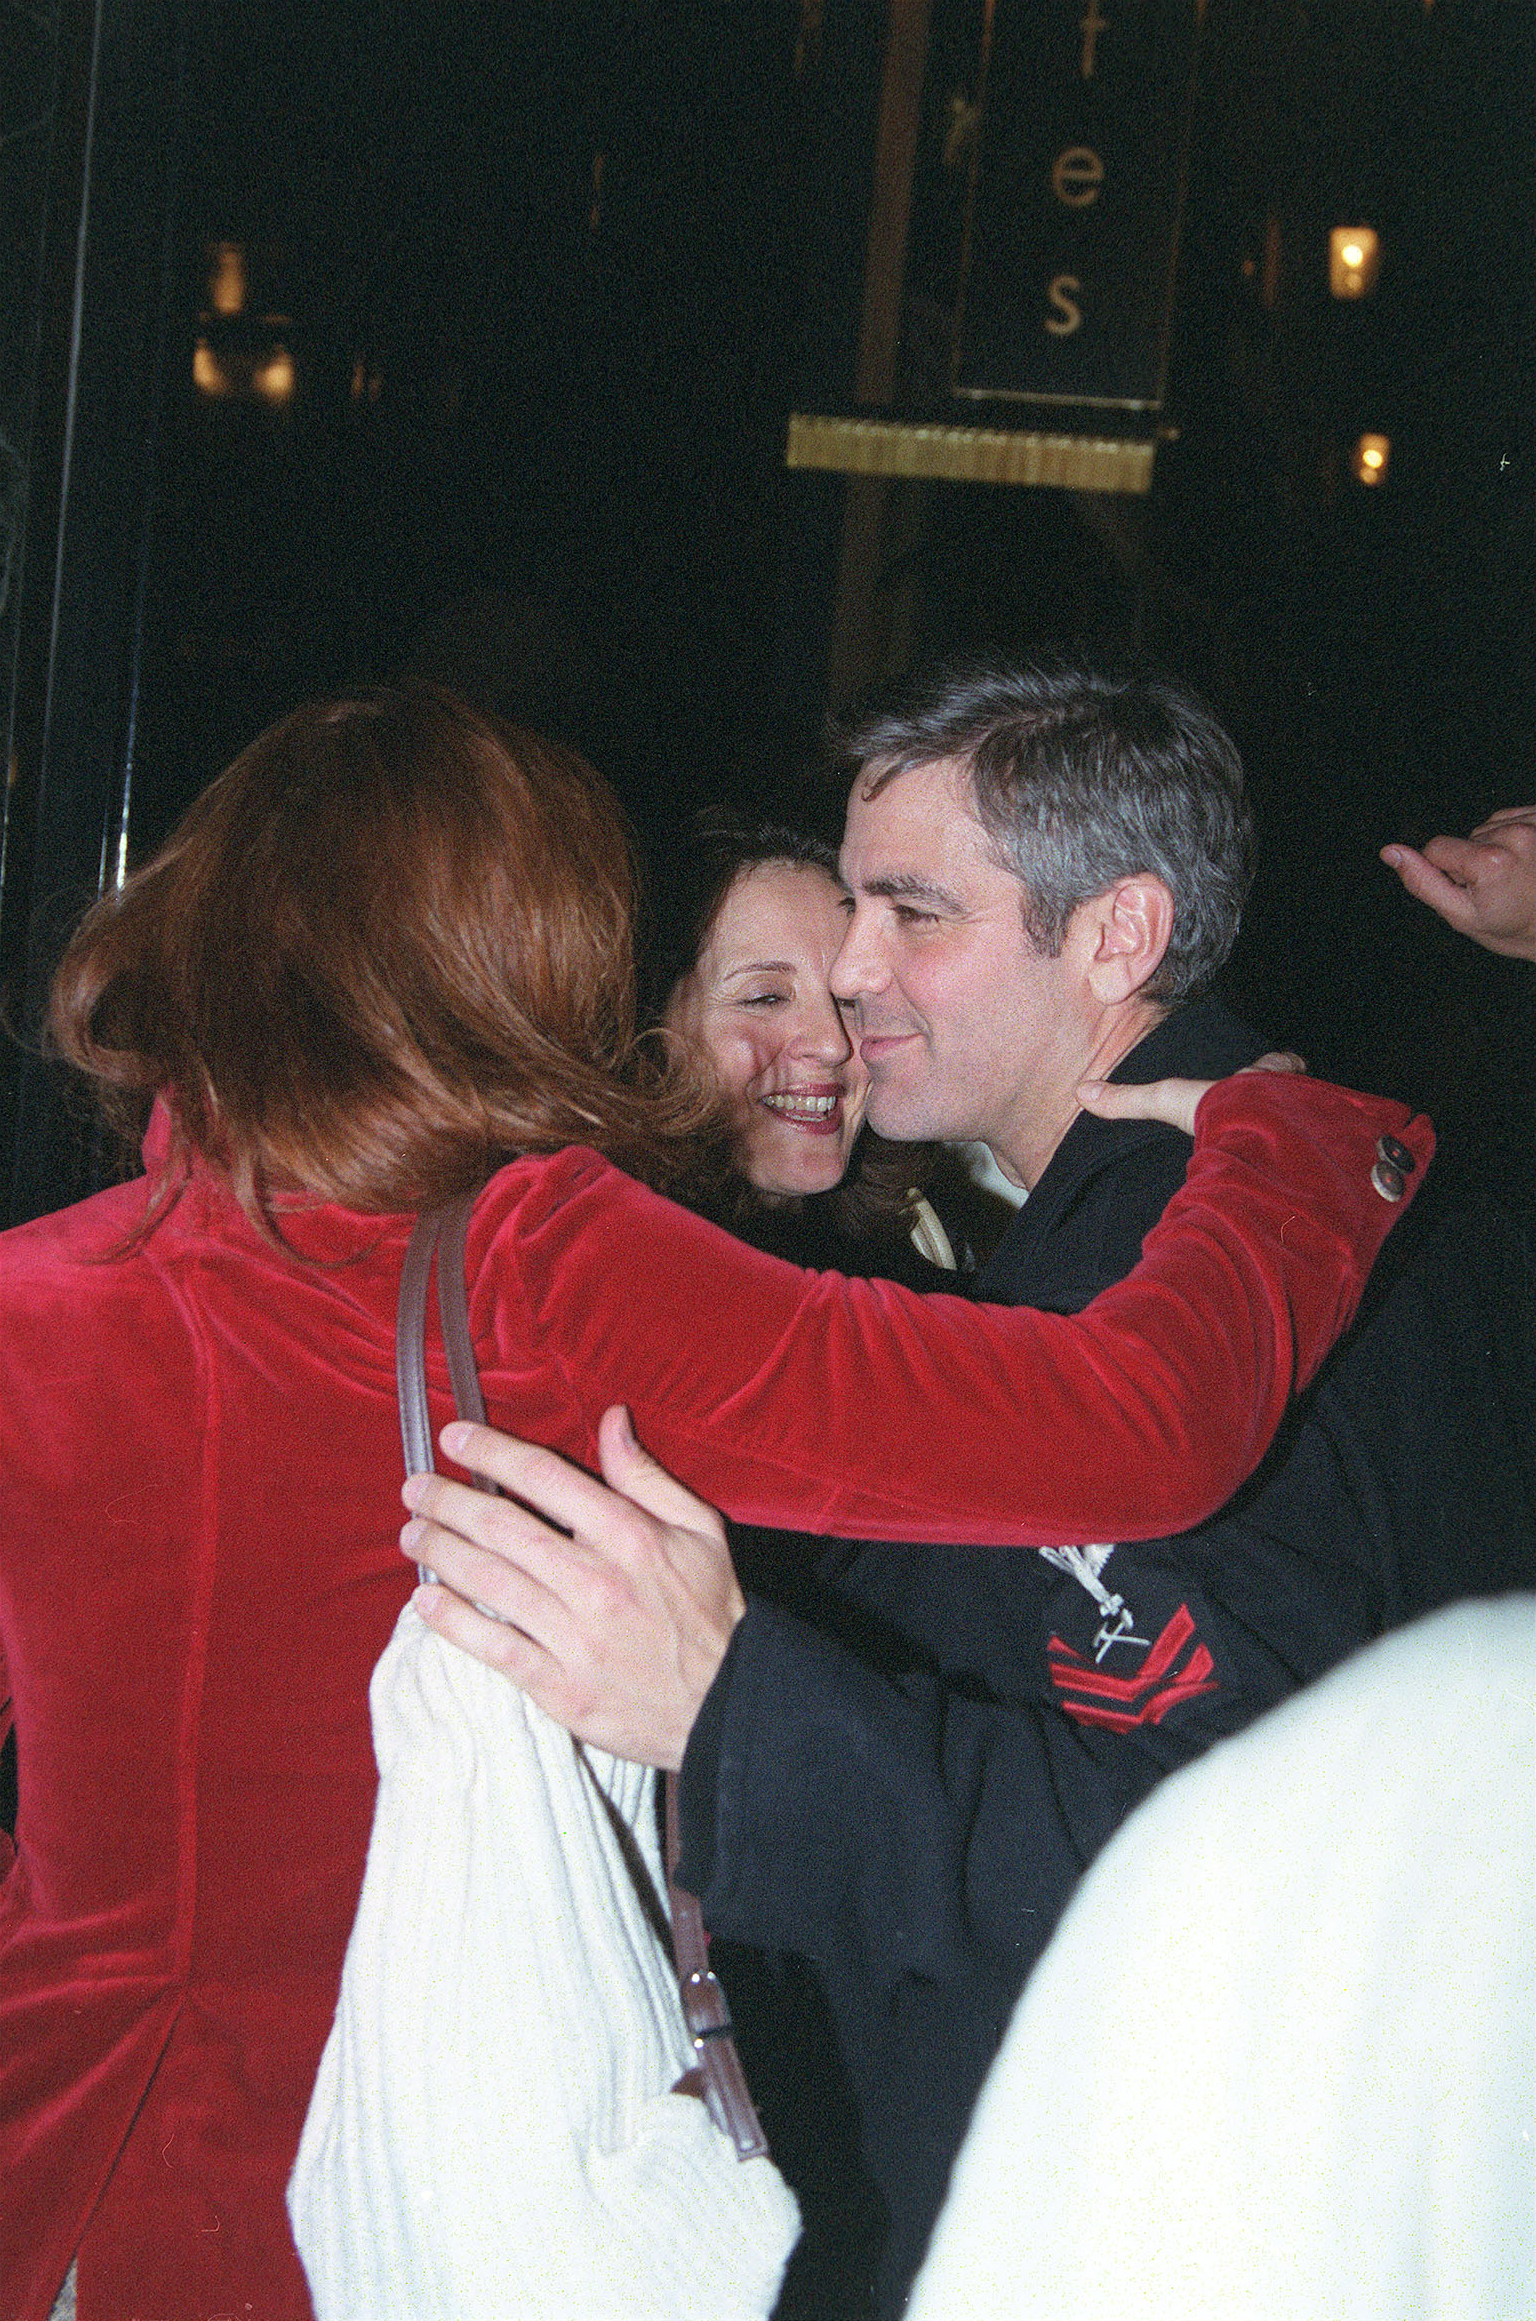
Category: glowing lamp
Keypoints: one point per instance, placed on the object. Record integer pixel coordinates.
(273, 380)
(209, 376)
(1368, 460)
(226, 278)
(1354, 253)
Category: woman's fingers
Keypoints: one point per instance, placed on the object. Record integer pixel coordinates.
(1429, 884)
(1504, 818)
(1174, 1102)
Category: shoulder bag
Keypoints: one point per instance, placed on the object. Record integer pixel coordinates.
(506, 2123)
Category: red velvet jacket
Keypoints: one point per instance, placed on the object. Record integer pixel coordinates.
(201, 1565)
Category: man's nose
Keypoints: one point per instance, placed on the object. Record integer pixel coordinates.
(858, 967)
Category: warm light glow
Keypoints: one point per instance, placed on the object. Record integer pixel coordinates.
(1368, 461)
(209, 376)
(226, 278)
(275, 377)
(1354, 252)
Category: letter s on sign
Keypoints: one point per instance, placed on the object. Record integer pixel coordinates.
(1068, 316)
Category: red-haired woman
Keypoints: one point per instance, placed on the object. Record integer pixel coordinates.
(387, 953)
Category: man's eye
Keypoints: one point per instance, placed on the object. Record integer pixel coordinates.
(911, 916)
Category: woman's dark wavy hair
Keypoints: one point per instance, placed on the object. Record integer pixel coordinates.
(387, 950)
(875, 1199)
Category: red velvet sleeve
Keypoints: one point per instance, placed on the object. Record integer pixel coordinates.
(860, 1409)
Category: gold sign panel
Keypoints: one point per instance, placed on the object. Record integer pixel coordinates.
(967, 455)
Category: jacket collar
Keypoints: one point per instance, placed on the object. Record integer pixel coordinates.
(1201, 1040)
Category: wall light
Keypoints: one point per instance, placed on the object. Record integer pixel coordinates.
(1354, 253)
(1368, 460)
(208, 374)
(226, 277)
(274, 379)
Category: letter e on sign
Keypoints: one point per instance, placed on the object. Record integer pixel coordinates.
(1076, 175)
(1068, 316)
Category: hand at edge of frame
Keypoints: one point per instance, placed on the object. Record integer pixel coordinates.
(1484, 886)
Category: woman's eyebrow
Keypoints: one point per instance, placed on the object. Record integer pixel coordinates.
(757, 967)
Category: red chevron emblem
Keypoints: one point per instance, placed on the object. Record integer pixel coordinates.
(1120, 1703)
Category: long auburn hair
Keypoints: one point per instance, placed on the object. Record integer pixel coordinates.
(386, 950)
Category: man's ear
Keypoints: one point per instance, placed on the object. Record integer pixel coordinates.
(1130, 927)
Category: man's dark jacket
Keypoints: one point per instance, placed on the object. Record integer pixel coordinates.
(911, 1754)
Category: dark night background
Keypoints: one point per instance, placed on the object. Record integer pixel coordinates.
(551, 278)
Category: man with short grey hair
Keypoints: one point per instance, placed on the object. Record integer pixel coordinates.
(1080, 773)
(1048, 862)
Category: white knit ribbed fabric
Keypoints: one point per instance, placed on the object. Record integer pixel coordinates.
(491, 2135)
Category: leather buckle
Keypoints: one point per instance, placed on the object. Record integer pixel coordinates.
(704, 2007)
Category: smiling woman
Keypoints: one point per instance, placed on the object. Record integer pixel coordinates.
(750, 925)
(757, 1003)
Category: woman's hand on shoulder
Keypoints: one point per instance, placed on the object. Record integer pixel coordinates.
(1173, 1102)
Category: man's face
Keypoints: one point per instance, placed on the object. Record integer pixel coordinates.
(967, 1031)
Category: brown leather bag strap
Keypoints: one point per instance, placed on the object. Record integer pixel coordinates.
(410, 1346)
(717, 2075)
(722, 2082)
(440, 1233)
(453, 1311)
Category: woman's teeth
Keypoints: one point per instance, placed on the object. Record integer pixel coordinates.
(800, 1107)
